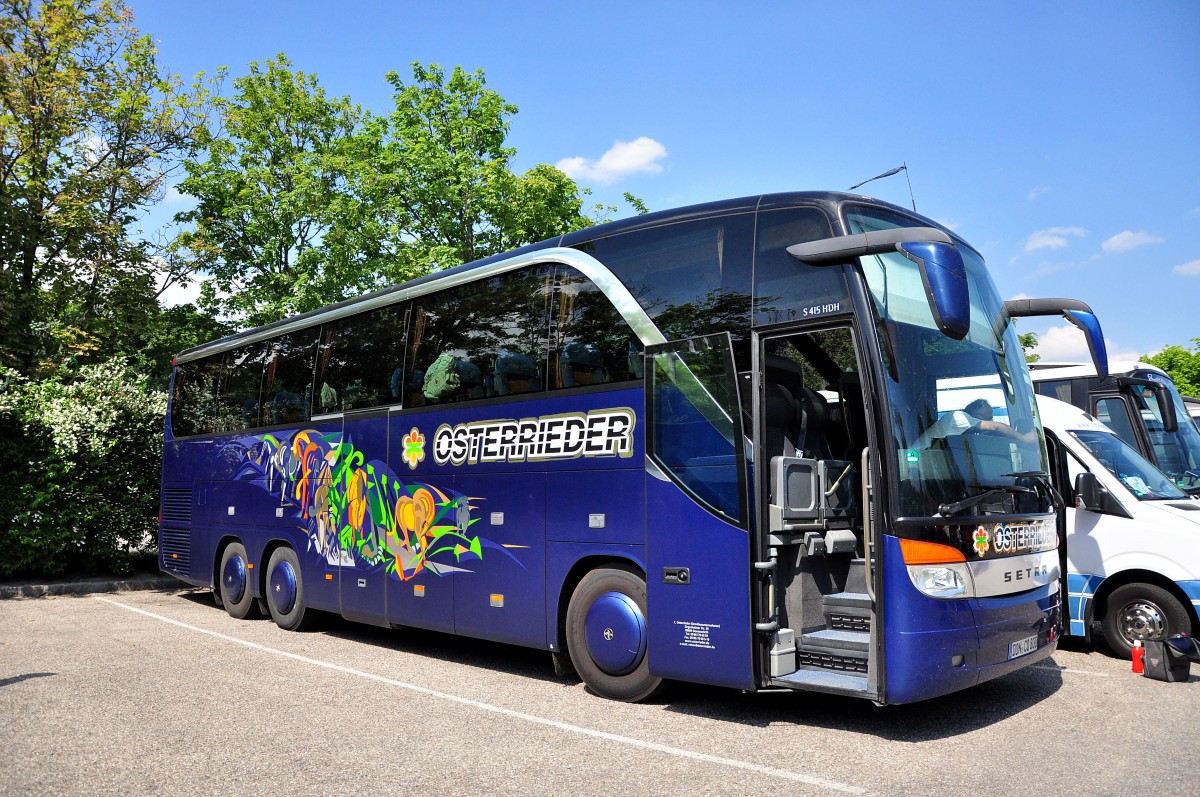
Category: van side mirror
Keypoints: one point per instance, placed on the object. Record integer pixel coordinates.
(1091, 495)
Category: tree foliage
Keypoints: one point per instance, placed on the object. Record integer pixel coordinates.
(440, 183)
(1029, 342)
(270, 180)
(81, 461)
(1182, 364)
(88, 129)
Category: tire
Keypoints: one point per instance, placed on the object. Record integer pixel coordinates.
(236, 591)
(1142, 611)
(285, 591)
(607, 635)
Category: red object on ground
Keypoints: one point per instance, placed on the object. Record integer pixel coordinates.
(1139, 654)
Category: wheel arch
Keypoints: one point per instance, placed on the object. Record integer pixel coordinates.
(1137, 576)
(574, 575)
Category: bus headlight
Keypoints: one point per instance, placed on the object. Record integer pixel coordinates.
(937, 570)
(943, 580)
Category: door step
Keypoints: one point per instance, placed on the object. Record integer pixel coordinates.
(847, 611)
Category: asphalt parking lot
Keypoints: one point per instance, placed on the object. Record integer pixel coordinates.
(159, 692)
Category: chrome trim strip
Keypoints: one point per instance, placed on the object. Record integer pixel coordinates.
(1007, 575)
(589, 266)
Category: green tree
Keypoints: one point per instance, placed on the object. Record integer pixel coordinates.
(1182, 364)
(442, 186)
(270, 180)
(1029, 342)
(89, 125)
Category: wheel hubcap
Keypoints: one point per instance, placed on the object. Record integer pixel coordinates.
(1143, 620)
(283, 587)
(615, 631)
(233, 579)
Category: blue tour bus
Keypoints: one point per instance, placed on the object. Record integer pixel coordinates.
(695, 445)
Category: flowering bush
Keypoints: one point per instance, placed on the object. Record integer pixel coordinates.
(79, 470)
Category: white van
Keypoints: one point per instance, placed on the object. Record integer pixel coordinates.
(1133, 537)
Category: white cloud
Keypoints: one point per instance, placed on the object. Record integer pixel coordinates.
(1053, 238)
(1068, 344)
(1037, 192)
(1191, 269)
(640, 156)
(1021, 295)
(1125, 241)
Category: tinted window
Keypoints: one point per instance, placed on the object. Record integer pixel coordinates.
(240, 404)
(287, 377)
(784, 288)
(360, 360)
(196, 392)
(591, 343)
(1114, 414)
(483, 339)
(692, 278)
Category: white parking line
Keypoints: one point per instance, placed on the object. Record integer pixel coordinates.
(783, 774)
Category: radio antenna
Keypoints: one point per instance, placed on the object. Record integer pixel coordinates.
(903, 167)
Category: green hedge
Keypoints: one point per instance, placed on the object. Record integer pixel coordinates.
(80, 463)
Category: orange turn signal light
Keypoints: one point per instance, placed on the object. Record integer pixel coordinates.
(919, 552)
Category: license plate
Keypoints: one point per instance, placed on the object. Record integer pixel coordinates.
(1022, 646)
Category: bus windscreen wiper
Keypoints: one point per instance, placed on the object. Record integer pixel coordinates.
(990, 491)
(1044, 479)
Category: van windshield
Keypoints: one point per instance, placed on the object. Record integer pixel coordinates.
(1146, 482)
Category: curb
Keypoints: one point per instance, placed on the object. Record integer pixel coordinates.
(90, 586)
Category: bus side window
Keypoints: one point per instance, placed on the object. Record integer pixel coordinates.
(194, 403)
(358, 361)
(479, 340)
(591, 342)
(240, 403)
(287, 377)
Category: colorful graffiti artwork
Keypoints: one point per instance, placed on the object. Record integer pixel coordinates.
(359, 513)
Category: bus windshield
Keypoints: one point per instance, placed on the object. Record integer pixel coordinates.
(960, 417)
(1135, 472)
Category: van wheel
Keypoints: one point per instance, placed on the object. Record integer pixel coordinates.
(1142, 611)
(607, 635)
(285, 591)
(235, 588)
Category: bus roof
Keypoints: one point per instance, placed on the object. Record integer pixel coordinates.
(432, 282)
(1041, 371)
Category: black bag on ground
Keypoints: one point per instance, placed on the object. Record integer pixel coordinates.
(1170, 660)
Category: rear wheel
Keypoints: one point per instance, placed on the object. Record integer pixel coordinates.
(1142, 611)
(235, 591)
(607, 635)
(285, 591)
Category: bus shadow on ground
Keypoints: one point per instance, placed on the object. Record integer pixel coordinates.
(939, 718)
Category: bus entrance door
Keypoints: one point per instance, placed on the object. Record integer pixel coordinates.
(697, 549)
(816, 609)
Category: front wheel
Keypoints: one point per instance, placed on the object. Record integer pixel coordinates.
(285, 591)
(1142, 611)
(607, 635)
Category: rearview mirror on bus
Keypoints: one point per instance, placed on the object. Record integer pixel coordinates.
(1076, 312)
(1162, 396)
(943, 272)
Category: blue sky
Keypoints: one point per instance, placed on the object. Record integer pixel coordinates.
(1060, 139)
